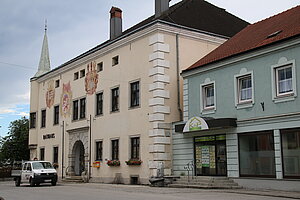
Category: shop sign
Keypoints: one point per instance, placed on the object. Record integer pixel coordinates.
(195, 124)
(48, 136)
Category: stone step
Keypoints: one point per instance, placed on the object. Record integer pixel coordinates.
(74, 179)
(200, 186)
(205, 182)
(204, 178)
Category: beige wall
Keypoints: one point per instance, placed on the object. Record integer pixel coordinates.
(137, 55)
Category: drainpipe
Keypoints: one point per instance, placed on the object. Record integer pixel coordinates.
(178, 78)
(62, 150)
(90, 156)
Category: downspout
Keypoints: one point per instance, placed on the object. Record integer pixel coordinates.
(90, 156)
(178, 78)
(62, 150)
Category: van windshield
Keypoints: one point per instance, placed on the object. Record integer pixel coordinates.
(42, 165)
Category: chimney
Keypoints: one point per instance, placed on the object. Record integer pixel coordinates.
(161, 6)
(115, 22)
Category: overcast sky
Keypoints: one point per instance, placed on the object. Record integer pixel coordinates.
(73, 28)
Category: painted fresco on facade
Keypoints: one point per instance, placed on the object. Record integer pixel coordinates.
(66, 99)
(91, 78)
(50, 94)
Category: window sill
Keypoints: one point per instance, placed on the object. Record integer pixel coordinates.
(134, 107)
(56, 124)
(208, 111)
(115, 111)
(99, 115)
(280, 99)
(244, 105)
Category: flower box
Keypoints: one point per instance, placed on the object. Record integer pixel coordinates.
(133, 162)
(113, 163)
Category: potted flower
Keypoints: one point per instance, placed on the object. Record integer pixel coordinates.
(113, 163)
(133, 162)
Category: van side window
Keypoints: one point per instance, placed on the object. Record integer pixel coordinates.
(28, 167)
(25, 166)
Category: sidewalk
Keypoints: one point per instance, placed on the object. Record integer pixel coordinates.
(272, 193)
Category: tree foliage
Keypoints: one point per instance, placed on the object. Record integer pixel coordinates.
(14, 146)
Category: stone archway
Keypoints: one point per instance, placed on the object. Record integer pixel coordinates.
(78, 158)
(79, 162)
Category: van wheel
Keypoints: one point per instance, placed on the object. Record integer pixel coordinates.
(17, 182)
(31, 182)
(53, 182)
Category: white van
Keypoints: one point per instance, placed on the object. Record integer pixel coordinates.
(34, 173)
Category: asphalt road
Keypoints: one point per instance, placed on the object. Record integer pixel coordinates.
(91, 191)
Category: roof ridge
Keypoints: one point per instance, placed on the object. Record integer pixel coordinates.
(283, 12)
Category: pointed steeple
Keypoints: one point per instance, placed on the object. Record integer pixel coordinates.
(44, 65)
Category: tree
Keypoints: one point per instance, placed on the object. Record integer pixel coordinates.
(15, 145)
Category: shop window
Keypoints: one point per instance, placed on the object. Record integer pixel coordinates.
(99, 149)
(32, 120)
(257, 155)
(291, 153)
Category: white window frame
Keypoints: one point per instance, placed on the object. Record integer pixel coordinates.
(238, 102)
(288, 96)
(210, 109)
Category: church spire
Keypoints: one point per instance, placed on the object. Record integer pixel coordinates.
(44, 65)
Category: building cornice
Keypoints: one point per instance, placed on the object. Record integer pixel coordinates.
(159, 26)
(239, 58)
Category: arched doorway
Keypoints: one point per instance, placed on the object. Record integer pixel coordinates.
(78, 152)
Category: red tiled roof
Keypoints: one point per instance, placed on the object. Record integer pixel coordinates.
(274, 29)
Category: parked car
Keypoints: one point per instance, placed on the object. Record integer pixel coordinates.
(35, 173)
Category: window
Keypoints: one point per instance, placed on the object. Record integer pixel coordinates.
(284, 80)
(291, 152)
(99, 103)
(115, 149)
(55, 154)
(75, 110)
(79, 109)
(115, 60)
(244, 89)
(42, 153)
(99, 149)
(43, 119)
(32, 120)
(56, 83)
(135, 148)
(82, 108)
(100, 67)
(257, 154)
(76, 75)
(56, 115)
(115, 99)
(208, 96)
(134, 94)
(82, 73)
